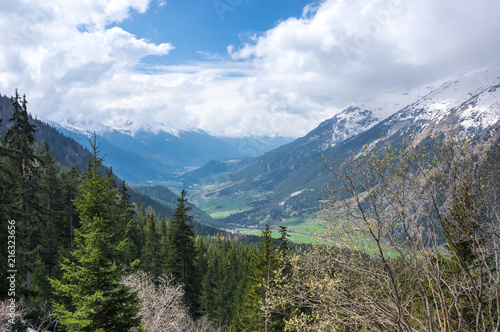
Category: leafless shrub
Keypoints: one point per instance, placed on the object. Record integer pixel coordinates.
(162, 309)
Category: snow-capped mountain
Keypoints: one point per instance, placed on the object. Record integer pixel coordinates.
(469, 104)
(146, 156)
(361, 117)
(347, 123)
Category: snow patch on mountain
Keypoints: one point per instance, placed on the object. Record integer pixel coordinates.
(361, 117)
(467, 104)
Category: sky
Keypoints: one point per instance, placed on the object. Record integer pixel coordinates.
(233, 67)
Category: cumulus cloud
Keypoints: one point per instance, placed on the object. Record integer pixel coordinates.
(344, 51)
(74, 67)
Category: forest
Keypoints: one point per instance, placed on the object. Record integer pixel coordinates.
(410, 242)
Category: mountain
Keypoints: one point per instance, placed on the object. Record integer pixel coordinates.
(214, 171)
(167, 198)
(290, 181)
(146, 156)
(70, 153)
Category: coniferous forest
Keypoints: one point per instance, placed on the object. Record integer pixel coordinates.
(86, 259)
(410, 242)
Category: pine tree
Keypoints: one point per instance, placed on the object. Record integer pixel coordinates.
(150, 260)
(92, 297)
(181, 254)
(22, 163)
(8, 211)
(257, 315)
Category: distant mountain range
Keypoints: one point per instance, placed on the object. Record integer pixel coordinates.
(146, 157)
(290, 180)
(273, 179)
(70, 153)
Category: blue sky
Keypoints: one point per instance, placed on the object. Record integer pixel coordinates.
(276, 67)
(201, 29)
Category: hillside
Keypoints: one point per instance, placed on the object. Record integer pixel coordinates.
(290, 181)
(145, 157)
(168, 199)
(214, 171)
(70, 153)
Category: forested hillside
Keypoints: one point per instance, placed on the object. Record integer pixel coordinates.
(79, 256)
(70, 153)
(410, 240)
(289, 182)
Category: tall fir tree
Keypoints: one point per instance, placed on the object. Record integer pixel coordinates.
(150, 258)
(91, 295)
(256, 314)
(66, 227)
(8, 211)
(22, 162)
(50, 207)
(181, 254)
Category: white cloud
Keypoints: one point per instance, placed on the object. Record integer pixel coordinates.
(347, 51)
(63, 55)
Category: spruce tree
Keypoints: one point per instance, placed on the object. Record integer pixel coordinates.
(181, 254)
(7, 212)
(22, 164)
(91, 295)
(69, 190)
(256, 315)
(50, 207)
(150, 259)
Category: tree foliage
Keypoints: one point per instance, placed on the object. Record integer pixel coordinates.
(181, 254)
(417, 246)
(72, 229)
(92, 297)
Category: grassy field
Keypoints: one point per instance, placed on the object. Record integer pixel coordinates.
(207, 199)
(301, 230)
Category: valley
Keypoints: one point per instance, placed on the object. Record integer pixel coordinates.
(249, 166)
(301, 229)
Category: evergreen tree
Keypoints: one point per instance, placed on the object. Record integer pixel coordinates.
(163, 242)
(150, 260)
(71, 221)
(50, 207)
(218, 281)
(256, 314)
(22, 163)
(125, 215)
(462, 227)
(181, 254)
(8, 211)
(283, 273)
(92, 297)
(284, 245)
(137, 228)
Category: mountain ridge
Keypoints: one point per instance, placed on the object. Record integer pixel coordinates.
(160, 157)
(292, 179)
(70, 153)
